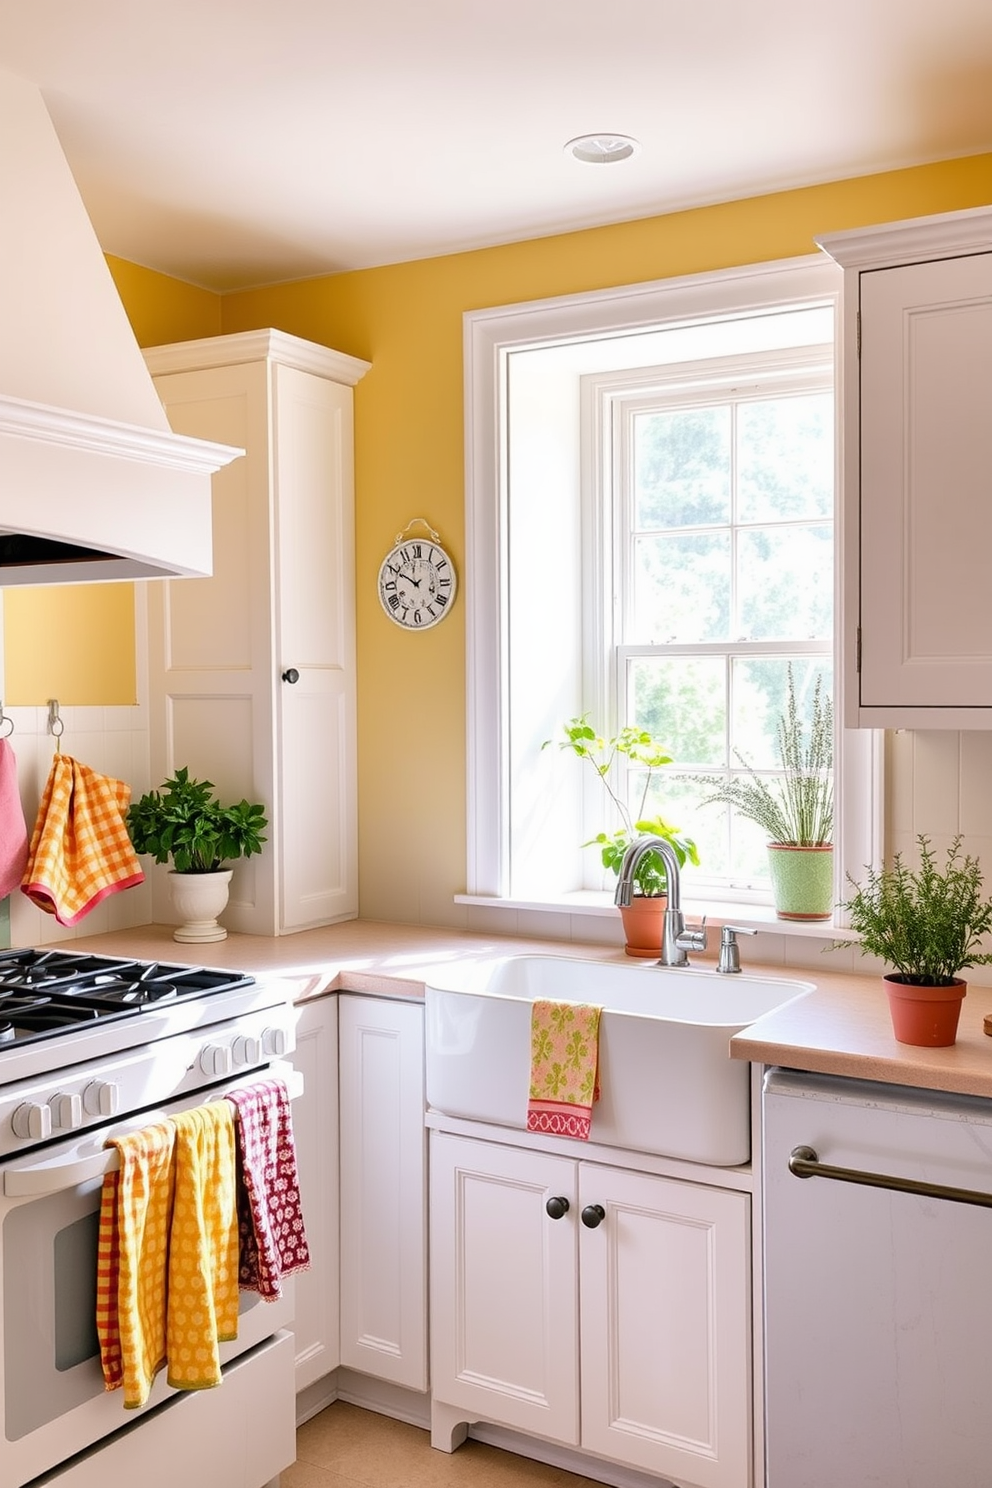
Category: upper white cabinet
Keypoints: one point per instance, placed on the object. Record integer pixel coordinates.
(917, 509)
(252, 671)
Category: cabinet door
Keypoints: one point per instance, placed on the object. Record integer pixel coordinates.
(315, 1128)
(926, 471)
(383, 1190)
(313, 513)
(665, 1308)
(209, 641)
(504, 1323)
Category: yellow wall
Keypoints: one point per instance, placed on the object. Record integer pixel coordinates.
(76, 642)
(73, 642)
(407, 320)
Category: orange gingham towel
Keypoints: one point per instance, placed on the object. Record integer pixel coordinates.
(564, 1068)
(80, 849)
(132, 1261)
(203, 1247)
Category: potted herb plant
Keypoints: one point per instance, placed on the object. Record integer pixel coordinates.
(184, 822)
(928, 926)
(643, 917)
(795, 809)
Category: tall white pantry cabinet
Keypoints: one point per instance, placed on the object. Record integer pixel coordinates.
(252, 671)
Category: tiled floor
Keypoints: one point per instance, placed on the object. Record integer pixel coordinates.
(345, 1447)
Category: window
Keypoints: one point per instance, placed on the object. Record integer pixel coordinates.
(719, 488)
(585, 601)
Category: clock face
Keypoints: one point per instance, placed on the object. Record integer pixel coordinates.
(417, 584)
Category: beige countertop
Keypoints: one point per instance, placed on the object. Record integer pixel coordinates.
(841, 1028)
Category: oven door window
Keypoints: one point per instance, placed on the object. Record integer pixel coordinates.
(51, 1352)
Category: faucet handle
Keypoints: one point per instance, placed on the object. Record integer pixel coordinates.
(730, 956)
(692, 937)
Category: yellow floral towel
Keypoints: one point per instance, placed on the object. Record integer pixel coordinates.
(564, 1068)
(133, 1259)
(80, 849)
(203, 1246)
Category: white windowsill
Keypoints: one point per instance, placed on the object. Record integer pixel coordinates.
(593, 904)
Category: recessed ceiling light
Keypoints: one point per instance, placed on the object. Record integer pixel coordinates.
(601, 149)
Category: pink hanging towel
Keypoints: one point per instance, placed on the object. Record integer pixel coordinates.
(270, 1216)
(13, 828)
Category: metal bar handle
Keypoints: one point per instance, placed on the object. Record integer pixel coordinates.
(804, 1163)
(91, 1159)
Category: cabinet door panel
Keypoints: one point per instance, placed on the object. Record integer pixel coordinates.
(504, 1340)
(926, 467)
(383, 1190)
(664, 1303)
(315, 1129)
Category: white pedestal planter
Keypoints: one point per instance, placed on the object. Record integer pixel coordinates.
(199, 898)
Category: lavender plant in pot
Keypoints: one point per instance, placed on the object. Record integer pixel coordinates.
(642, 919)
(928, 926)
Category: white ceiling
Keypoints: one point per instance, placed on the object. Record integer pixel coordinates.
(243, 142)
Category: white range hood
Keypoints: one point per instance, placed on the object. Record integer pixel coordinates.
(93, 483)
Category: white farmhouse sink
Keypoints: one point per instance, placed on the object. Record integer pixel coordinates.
(668, 1084)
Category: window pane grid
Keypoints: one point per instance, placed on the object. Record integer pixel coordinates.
(726, 577)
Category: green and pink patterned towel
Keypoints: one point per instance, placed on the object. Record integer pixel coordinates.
(564, 1068)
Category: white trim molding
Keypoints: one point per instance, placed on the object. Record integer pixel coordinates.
(599, 322)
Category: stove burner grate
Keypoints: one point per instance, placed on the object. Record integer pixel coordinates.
(42, 992)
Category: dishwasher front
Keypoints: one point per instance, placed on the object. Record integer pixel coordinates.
(877, 1216)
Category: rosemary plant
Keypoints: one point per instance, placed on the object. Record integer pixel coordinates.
(927, 924)
(797, 809)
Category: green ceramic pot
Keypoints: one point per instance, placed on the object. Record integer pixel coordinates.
(802, 881)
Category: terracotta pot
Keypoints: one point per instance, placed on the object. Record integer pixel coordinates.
(802, 881)
(198, 898)
(924, 1016)
(644, 924)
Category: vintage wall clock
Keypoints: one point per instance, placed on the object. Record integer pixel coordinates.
(417, 579)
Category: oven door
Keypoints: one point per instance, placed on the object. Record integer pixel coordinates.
(53, 1403)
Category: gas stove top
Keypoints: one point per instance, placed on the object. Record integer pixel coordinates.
(44, 994)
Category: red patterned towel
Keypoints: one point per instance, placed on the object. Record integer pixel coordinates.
(270, 1216)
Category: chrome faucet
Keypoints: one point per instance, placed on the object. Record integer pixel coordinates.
(675, 939)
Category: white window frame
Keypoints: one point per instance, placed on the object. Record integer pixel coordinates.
(491, 336)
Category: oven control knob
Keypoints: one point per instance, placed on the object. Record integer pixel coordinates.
(216, 1059)
(32, 1120)
(102, 1098)
(246, 1051)
(67, 1111)
(274, 1041)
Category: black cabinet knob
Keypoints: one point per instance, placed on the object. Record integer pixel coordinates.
(593, 1215)
(291, 675)
(557, 1207)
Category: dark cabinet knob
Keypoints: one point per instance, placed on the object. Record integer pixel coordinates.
(291, 675)
(557, 1207)
(593, 1215)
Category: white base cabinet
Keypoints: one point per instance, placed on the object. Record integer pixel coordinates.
(362, 1154)
(629, 1337)
(315, 1130)
(252, 671)
(383, 1190)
